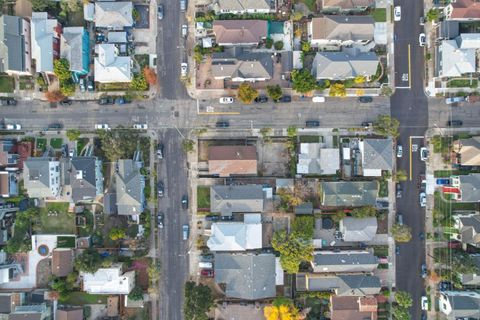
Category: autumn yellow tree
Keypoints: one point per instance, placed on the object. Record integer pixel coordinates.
(281, 312)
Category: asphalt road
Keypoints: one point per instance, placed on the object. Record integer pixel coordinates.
(172, 170)
(410, 107)
(170, 51)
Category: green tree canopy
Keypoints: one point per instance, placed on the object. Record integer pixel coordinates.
(364, 212)
(338, 216)
(139, 83)
(61, 68)
(337, 90)
(89, 261)
(136, 294)
(433, 14)
(42, 5)
(404, 299)
(400, 313)
(118, 143)
(274, 92)
(246, 93)
(117, 234)
(401, 175)
(198, 301)
(73, 134)
(386, 126)
(293, 250)
(21, 241)
(306, 46)
(304, 226)
(401, 233)
(303, 81)
(278, 45)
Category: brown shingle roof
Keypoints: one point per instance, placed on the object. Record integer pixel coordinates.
(348, 308)
(62, 262)
(232, 160)
(465, 9)
(4, 183)
(70, 314)
(343, 28)
(240, 31)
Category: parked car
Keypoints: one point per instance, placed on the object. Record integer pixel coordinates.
(102, 126)
(397, 13)
(367, 124)
(185, 202)
(451, 100)
(424, 303)
(160, 220)
(365, 99)
(318, 99)
(226, 100)
(55, 126)
(423, 199)
(121, 100)
(160, 151)
(261, 99)
(160, 11)
(205, 265)
(422, 39)
(445, 286)
(285, 99)
(184, 30)
(400, 218)
(422, 21)
(421, 235)
(424, 270)
(207, 257)
(185, 230)
(161, 188)
(212, 218)
(66, 102)
(8, 102)
(106, 100)
(140, 126)
(183, 69)
(455, 123)
(207, 273)
(312, 123)
(423, 154)
(227, 218)
(82, 85)
(90, 84)
(13, 127)
(399, 151)
(397, 250)
(183, 5)
(222, 124)
(398, 189)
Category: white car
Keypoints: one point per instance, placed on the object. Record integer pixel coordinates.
(102, 126)
(140, 126)
(397, 13)
(183, 69)
(423, 154)
(15, 127)
(184, 30)
(423, 199)
(318, 99)
(422, 39)
(424, 303)
(226, 100)
(399, 151)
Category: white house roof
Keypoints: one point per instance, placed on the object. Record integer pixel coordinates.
(109, 281)
(111, 68)
(236, 236)
(313, 159)
(42, 31)
(468, 41)
(113, 15)
(455, 62)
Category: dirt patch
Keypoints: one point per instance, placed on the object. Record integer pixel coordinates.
(140, 267)
(267, 234)
(273, 158)
(23, 8)
(44, 272)
(111, 222)
(382, 225)
(205, 79)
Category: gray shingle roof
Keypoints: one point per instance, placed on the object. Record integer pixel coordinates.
(71, 47)
(230, 199)
(37, 177)
(472, 279)
(237, 63)
(349, 261)
(343, 65)
(114, 15)
(378, 154)
(130, 184)
(463, 305)
(246, 276)
(358, 229)
(12, 44)
(83, 177)
(349, 194)
(344, 285)
(6, 302)
(470, 187)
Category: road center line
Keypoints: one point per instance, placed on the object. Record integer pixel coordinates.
(410, 153)
(409, 69)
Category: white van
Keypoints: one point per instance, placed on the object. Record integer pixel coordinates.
(205, 265)
(318, 99)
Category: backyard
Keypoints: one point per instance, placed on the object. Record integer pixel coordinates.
(443, 210)
(56, 143)
(41, 144)
(7, 83)
(81, 298)
(55, 219)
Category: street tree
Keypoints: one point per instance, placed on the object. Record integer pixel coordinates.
(400, 176)
(274, 92)
(337, 90)
(400, 313)
(150, 76)
(198, 301)
(136, 294)
(386, 126)
(54, 96)
(403, 299)
(303, 81)
(401, 233)
(433, 14)
(293, 250)
(246, 93)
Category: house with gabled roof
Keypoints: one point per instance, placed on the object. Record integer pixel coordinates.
(129, 186)
(83, 178)
(75, 47)
(341, 285)
(472, 279)
(314, 159)
(41, 177)
(240, 32)
(462, 10)
(460, 304)
(242, 6)
(349, 193)
(72, 313)
(113, 15)
(230, 199)
(358, 229)
(110, 66)
(226, 161)
(353, 308)
(341, 30)
(15, 53)
(346, 64)
(31, 312)
(468, 226)
(344, 261)
(237, 236)
(377, 156)
(112, 280)
(45, 35)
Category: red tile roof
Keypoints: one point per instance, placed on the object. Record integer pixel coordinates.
(465, 9)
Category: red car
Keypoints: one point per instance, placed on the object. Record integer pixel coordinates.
(208, 273)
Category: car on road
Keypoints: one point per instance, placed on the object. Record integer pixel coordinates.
(414, 147)
(285, 99)
(66, 102)
(397, 13)
(106, 101)
(55, 125)
(183, 5)
(160, 151)
(161, 188)
(207, 273)
(367, 124)
(207, 257)
(312, 123)
(184, 30)
(365, 99)
(160, 11)
(226, 100)
(422, 39)
(212, 218)
(397, 250)
(90, 84)
(423, 154)
(445, 286)
(398, 188)
(399, 151)
(183, 69)
(140, 126)
(424, 270)
(222, 124)
(318, 99)
(421, 235)
(160, 220)
(424, 303)
(13, 127)
(423, 199)
(400, 218)
(452, 100)
(102, 126)
(455, 123)
(185, 231)
(422, 21)
(8, 102)
(185, 202)
(261, 99)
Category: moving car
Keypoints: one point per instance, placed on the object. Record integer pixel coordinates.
(424, 303)
(102, 126)
(185, 230)
(422, 39)
(183, 69)
(161, 188)
(13, 127)
(106, 100)
(140, 126)
(365, 99)
(312, 123)
(261, 99)
(222, 124)
(160, 151)
(399, 151)
(421, 235)
(184, 30)
(185, 202)
(397, 13)
(399, 190)
(423, 154)
(8, 102)
(455, 123)
(424, 270)
(160, 11)
(226, 100)
(397, 250)
(423, 199)
(400, 219)
(160, 220)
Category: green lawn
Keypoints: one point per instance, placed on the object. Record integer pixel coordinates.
(81, 298)
(41, 144)
(443, 210)
(66, 242)
(81, 143)
(383, 190)
(462, 83)
(84, 231)
(56, 143)
(203, 197)
(380, 15)
(142, 60)
(56, 219)
(309, 139)
(7, 83)
(380, 251)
